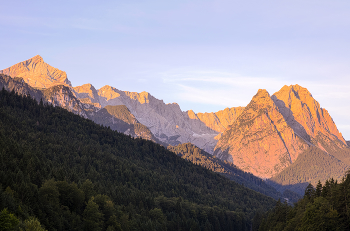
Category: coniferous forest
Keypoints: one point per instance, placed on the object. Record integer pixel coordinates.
(59, 171)
(324, 207)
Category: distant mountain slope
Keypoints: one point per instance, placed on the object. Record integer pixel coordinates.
(37, 73)
(312, 165)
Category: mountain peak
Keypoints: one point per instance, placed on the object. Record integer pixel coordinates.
(37, 73)
(36, 59)
(305, 115)
(259, 140)
(84, 88)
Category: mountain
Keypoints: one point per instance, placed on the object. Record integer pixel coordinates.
(167, 122)
(286, 137)
(260, 141)
(265, 138)
(37, 73)
(311, 122)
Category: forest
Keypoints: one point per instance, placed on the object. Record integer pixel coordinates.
(59, 171)
(324, 207)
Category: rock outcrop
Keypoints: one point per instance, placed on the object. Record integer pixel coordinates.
(219, 121)
(62, 96)
(18, 85)
(37, 73)
(87, 94)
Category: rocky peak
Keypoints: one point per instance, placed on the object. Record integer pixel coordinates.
(37, 73)
(259, 140)
(87, 91)
(192, 115)
(142, 97)
(108, 92)
(304, 114)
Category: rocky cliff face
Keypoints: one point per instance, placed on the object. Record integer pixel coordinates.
(87, 94)
(37, 73)
(120, 118)
(260, 141)
(62, 96)
(219, 121)
(304, 114)
(272, 132)
(18, 85)
(166, 121)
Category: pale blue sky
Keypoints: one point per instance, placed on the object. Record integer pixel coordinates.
(204, 55)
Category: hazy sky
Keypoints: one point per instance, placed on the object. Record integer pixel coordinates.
(204, 55)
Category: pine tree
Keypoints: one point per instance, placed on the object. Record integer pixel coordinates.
(92, 216)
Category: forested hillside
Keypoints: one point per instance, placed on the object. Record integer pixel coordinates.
(326, 207)
(72, 174)
(196, 155)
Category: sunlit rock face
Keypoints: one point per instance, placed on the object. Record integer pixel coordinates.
(219, 121)
(260, 141)
(37, 73)
(87, 94)
(304, 114)
(271, 132)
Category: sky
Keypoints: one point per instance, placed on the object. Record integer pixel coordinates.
(204, 55)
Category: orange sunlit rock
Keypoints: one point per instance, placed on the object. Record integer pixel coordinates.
(37, 73)
(259, 140)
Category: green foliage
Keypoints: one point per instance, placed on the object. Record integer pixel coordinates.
(72, 174)
(32, 224)
(92, 216)
(8, 221)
